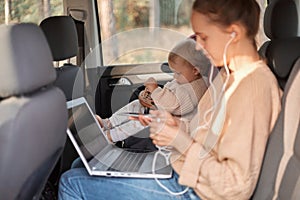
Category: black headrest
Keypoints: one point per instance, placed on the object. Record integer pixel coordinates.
(282, 55)
(26, 61)
(61, 34)
(281, 19)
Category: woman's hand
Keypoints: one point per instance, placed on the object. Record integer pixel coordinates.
(163, 128)
(144, 119)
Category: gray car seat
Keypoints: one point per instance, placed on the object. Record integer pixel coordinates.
(61, 35)
(33, 117)
(280, 174)
(279, 178)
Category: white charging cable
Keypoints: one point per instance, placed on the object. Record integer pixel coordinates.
(166, 153)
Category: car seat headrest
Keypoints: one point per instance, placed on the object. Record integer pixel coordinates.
(281, 19)
(281, 60)
(61, 34)
(26, 59)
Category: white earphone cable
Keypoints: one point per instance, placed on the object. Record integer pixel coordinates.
(216, 100)
(165, 152)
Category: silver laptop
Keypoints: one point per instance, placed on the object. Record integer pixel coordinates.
(102, 158)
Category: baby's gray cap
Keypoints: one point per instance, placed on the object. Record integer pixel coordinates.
(187, 50)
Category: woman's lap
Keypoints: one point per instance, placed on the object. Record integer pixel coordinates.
(78, 184)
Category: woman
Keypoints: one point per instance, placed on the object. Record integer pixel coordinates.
(217, 155)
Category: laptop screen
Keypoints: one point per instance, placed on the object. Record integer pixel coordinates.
(86, 131)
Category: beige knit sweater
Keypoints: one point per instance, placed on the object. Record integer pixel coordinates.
(180, 99)
(232, 148)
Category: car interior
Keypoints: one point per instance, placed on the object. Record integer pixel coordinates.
(64, 45)
(280, 171)
(30, 108)
(34, 148)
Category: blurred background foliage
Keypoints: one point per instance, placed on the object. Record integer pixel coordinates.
(131, 14)
(28, 10)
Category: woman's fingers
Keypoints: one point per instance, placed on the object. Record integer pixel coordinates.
(144, 120)
(163, 116)
(160, 121)
(133, 118)
(159, 140)
(157, 125)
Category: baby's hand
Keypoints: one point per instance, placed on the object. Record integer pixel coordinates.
(150, 84)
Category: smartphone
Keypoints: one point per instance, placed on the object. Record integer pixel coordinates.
(133, 114)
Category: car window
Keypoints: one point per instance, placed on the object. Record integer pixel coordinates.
(141, 31)
(16, 11)
(134, 32)
(261, 37)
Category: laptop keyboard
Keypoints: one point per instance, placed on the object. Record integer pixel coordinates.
(128, 161)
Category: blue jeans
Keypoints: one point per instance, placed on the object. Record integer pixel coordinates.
(77, 184)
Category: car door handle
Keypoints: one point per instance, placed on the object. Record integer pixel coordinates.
(120, 82)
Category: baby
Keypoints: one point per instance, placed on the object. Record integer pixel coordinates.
(179, 97)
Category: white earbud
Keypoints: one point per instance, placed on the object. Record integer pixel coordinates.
(233, 34)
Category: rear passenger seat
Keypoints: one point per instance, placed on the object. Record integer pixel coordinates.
(280, 174)
(62, 38)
